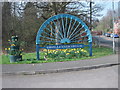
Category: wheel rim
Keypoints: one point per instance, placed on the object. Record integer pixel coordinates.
(63, 28)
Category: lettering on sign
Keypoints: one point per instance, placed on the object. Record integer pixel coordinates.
(65, 46)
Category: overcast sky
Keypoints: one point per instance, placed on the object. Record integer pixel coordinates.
(107, 6)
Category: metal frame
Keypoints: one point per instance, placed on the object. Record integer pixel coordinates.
(65, 39)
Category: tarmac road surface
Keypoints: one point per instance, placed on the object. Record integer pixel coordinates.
(95, 78)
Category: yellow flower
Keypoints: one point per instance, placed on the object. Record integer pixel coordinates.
(12, 44)
(5, 48)
(8, 48)
(22, 49)
(44, 50)
(82, 50)
(85, 51)
(67, 53)
(8, 40)
(53, 50)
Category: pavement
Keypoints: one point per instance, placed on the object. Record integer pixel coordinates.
(57, 67)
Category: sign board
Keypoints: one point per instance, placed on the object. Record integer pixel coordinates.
(65, 46)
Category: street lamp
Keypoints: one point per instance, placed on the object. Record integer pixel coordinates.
(113, 26)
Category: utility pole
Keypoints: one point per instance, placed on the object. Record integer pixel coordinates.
(119, 10)
(113, 26)
(90, 15)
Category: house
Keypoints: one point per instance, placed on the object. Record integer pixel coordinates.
(117, 27)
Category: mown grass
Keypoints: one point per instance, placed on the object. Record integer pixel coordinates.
(29, 58)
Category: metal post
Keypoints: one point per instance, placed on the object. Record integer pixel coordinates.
(99, 41)
(113, 26)
(90, 49)
(90, 15)
(37, 52)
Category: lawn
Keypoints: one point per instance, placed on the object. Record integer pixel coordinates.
(29, 58)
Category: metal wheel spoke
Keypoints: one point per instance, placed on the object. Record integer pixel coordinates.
(69, 28)
(55, 31)
(73, 26)
(74, 30)
(58, 30)
(49, 30)
(78, 35)
(66, 28)
(48, 38)
(63, 27)
(48, 41)
(47, 34)
(79, 40)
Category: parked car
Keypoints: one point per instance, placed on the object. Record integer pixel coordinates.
(107, 34)
(111, 35)
(115, 35)
(104, 34)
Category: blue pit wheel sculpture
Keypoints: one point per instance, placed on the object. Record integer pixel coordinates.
(63, 31)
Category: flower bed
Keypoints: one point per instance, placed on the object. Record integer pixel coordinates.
(65, 53)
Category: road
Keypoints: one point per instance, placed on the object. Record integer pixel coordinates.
(95, 78)
(108, 41)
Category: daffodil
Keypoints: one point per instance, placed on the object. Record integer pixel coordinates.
(82, 50)
(8, 48)
(44, 50)
(12, 44)
(85, 51)
(64, 51)
(67, 53)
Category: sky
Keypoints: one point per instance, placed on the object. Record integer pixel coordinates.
(107, 6)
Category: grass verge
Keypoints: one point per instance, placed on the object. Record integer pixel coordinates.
(29, 58)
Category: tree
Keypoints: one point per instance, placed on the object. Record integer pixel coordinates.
(106, 23)
(6, 22)
(79, 9)
(92, 10)
(30, 25)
